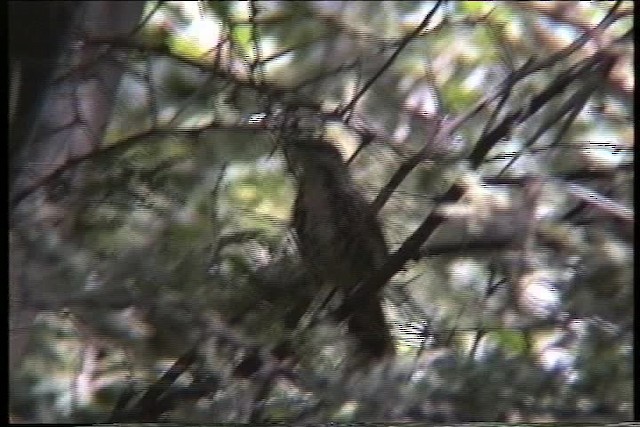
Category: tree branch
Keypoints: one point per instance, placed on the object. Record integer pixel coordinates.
(392, 58)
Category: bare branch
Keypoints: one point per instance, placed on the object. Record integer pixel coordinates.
(392, 58)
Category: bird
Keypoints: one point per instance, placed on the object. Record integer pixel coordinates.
(339, 237)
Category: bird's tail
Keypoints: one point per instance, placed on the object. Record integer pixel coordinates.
(368, 327)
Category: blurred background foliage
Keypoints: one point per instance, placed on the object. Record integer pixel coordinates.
(168, 228)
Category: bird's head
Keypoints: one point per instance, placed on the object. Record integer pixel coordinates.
(309, 156)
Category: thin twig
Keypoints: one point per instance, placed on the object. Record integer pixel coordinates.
(392, 58)
(410, 249)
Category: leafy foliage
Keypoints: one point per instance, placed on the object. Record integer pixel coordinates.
(492, 139)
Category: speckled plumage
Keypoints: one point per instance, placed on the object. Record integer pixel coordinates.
(340, 240)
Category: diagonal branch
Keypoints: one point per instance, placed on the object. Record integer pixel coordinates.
(410, 249)
(392, 58)
(120, 146)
